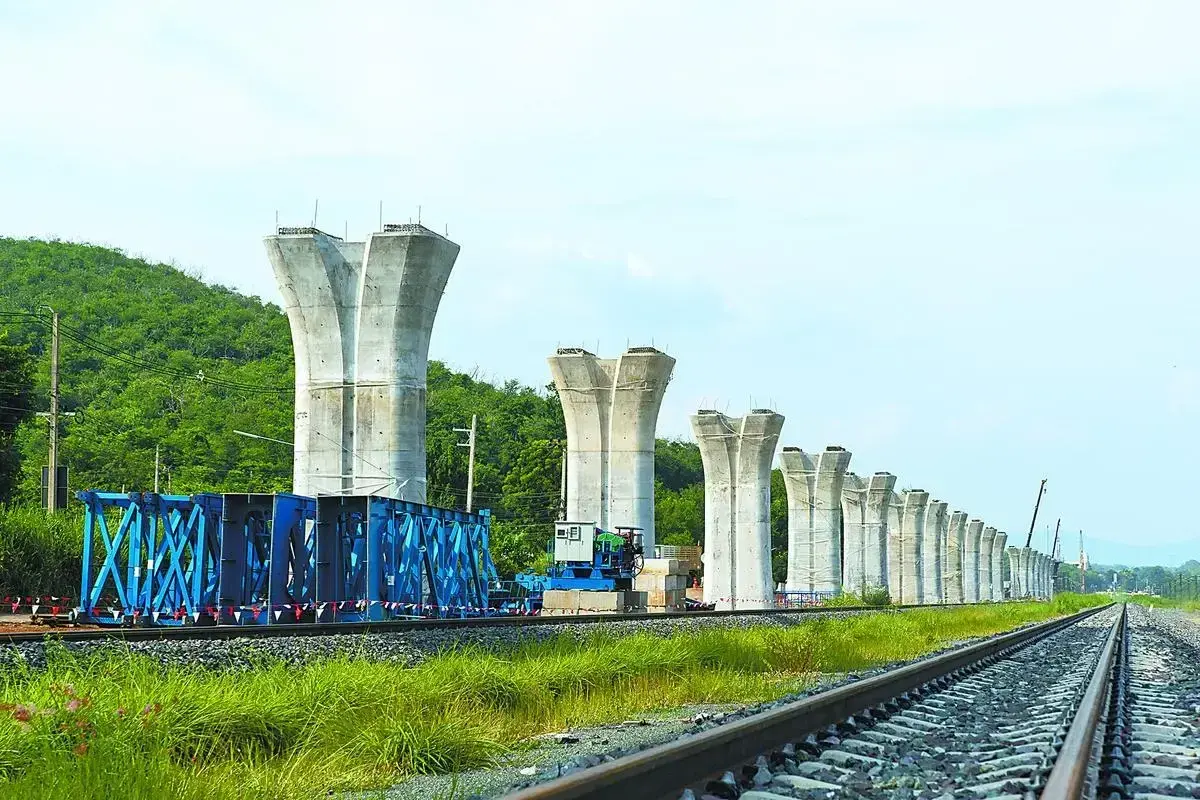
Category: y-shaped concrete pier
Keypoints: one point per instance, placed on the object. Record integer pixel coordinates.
(318, 276)
(876, 572)
(933, 539)
(737, 455)
(610, 407)
(971, 546)
(988, 577)
(997, 565)
(956, 535)
(912, 529)
(814, 490)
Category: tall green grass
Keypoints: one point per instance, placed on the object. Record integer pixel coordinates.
(39, 554)
(108, 726)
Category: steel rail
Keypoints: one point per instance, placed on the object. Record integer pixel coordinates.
(1068, 778)
(397, 626)
(664, 771)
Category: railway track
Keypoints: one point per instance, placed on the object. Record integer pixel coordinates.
(212, 632)
(1020, 715)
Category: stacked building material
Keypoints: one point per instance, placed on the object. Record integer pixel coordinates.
(664, 582)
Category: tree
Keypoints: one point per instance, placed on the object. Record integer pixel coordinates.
(16, 407)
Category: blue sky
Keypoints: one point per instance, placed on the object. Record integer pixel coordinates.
(952, 237)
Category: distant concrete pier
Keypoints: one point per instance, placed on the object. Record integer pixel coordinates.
(971, 546)
(814, 490)
(737, 455)
(611, 407)
(912, 531)
(989, 578)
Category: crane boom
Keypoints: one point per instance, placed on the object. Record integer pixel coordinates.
(1036, 506)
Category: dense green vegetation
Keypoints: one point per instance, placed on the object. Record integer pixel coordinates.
(136, 338)
(122, 725)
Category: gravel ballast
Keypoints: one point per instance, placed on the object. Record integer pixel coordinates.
(406, 648)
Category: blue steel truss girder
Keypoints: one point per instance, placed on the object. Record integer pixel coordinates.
(260, 559)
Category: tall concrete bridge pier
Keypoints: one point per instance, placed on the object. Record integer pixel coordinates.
(955, 536)
(997, 566)
(611, 407)
(737, 455)
(933, 538)
(988, 577)
(361, 315)
(895, 538)
(854, 533)
(912, 529)
(877, 569)
(971, 545)
(814, 490)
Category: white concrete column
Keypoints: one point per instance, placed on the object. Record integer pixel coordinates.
(854, 534)
(876, 569)
(737, 455)
(912, 528)
(955, 537)
(997, 568)
(1043, 559)
(404, 274)
(987, 576)
(814, 488)
(971, 561)
(1018, 587)
(895, 511)
(318, 276)
(1050, 587)
(610, 407)
(1026, 571)
(933, 538)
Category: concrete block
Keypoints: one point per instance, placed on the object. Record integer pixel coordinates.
(566, 599)
(664, 566)
(650, 582)
(660, 598)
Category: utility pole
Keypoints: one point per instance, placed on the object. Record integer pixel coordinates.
(470, 443)
(52, 473)
(562, 488)
(156, 469)
(1036, 506)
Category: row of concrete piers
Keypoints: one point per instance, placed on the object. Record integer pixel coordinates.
(361, 315)
(846, 533)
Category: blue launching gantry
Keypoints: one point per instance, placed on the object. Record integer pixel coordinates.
(264, 559)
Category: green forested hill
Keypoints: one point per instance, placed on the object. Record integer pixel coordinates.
(132, 330)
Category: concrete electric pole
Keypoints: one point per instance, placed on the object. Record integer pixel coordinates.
(470, 443)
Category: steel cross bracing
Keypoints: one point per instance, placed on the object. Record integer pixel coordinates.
(259, 559)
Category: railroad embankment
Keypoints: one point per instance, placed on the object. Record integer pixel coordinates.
(115, 723)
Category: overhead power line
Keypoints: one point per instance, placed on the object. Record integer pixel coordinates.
(79, 337)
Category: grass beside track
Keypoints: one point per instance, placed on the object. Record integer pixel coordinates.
(124, 726)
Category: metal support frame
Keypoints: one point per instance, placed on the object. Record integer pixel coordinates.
(258, 559)
(268, 559)
(381, 558)
(161, 564)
